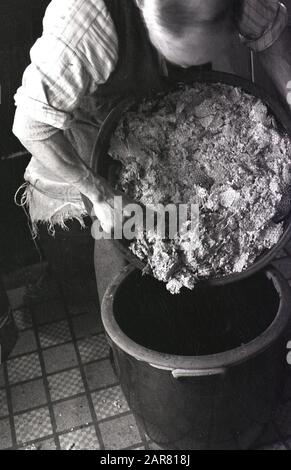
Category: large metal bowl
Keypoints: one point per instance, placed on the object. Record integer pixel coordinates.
(102, 163)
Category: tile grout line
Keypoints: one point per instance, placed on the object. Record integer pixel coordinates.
(83, 375)
(67, 369)
(58, 434)
(89, 425)
(129, 413)
(36, 441)
(68, 398)
(124, 414)
(54, 402)
(63, 343)
(46, 384)
(81, 366)
(9, 406)
(89, 393)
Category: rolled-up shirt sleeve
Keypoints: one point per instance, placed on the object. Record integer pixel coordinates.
(76, 53)
(260, 22)
(52, 87)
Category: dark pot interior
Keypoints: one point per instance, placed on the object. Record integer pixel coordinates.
(207, 320)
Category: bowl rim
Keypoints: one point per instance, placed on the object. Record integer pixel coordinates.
(222, 360)
(279, 111)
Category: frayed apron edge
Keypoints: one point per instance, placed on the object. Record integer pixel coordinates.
(57, 221)
(60, 218)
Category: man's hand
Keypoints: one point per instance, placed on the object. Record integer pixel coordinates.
(110, 207)
(58, 155)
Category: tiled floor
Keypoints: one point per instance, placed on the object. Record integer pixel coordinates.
(58, 389)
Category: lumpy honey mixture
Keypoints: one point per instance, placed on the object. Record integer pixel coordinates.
(211, 145)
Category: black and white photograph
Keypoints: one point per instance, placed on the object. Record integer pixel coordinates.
(145, 231)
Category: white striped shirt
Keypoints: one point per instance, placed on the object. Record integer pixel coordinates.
(79, 50)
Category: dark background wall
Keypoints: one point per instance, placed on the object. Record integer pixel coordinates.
(21, 24)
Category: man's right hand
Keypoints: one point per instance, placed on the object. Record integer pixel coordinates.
(109, 206)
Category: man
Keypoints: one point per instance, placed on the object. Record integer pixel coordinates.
(94, 52)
